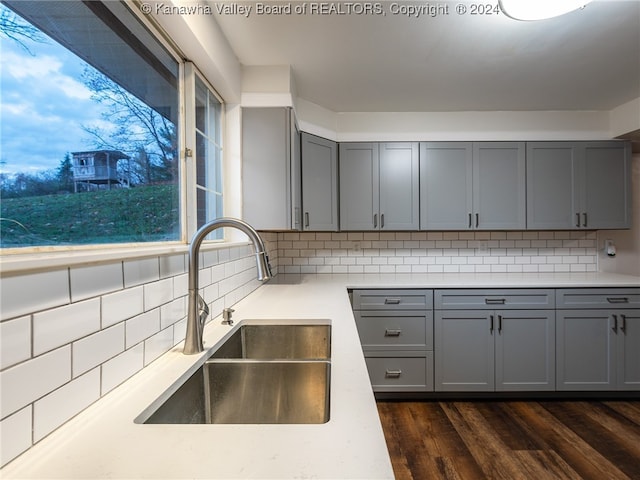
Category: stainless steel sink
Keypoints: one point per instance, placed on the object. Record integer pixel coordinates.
(261, 374)
(280, 341)
(250, 391)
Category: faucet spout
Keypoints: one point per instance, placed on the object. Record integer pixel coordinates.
(196, 313)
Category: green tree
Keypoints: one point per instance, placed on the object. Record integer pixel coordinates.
(65, 174)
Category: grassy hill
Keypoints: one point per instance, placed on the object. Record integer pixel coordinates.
(141, 214)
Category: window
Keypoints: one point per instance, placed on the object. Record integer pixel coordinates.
(208, 154)
(90, 106)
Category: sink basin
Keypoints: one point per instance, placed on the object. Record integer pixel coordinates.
(280, 341)
(261, 374)
(250, 392)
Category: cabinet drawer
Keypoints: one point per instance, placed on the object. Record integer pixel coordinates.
(403, 372)
(381, 330)
(392, 299)
(598, 298)
(491, 299)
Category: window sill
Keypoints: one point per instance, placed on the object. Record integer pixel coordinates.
(17, 263)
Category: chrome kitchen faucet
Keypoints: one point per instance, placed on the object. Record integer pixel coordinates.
(198, 310)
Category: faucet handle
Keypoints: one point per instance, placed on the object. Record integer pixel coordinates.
(226, 316)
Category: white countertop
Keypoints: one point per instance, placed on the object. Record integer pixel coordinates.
(104, 442)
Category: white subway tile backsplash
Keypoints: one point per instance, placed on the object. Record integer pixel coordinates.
(91, 281)
(15, 435)
(95, 349)
(172, 265)
(79, 320)
(33, 292)
(120, 306)
(158, 293)
(455, 251)
(30, 380)
(15, 341)
(141, 327)
(138, 272)
(120, 368)
(60, 326)
(158, 344)
(64, 403)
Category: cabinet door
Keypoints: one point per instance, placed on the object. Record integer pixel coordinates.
(585, 346)
(399, 195)
(550, 185)
(359, 200)
(525, 350)
(628, 333)
(607, 189)
(464, 351)
(499, 185)
(270, 191)
(446, 178)
(319, 183)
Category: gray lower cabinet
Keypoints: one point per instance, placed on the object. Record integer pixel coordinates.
(379, 186)
(482, 349)
(465, 185)
(396, 333)
(578, 185)
(598, 339)
(319, 183)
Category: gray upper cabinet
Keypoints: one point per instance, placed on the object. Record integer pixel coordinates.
(467, 185)
(271, 187)
(319, 183)
(578, 185)
(379, 186)
(446, 180)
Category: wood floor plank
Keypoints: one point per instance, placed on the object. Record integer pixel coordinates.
(580, 455)
(618, 442)
(513, 440)
(486, 447)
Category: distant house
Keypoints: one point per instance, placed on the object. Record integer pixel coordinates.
(98, 169)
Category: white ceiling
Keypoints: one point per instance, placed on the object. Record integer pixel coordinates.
(586, 60)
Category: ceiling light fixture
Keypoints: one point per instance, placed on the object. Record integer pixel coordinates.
(539, 9)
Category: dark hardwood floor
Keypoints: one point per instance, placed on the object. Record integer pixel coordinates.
(474, 440)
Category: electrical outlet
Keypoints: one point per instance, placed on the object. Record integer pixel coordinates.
(356, 246)
(483, 247)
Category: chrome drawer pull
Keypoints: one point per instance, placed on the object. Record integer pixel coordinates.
(495, 301)
(393, 373)
(617, 300)
(392, 333)
(391, 301)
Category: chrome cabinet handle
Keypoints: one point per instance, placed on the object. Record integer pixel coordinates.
(499, 323)
(382, 220)
(477, 220)
(375, 220)
(392, 332)
(615, 323)
(578, 220)
(392, 373)
(491, 324)
(391, 301)
(617, 300)
(584, 222)
(470, 220)
(623, 325)
(495, 301)
(306, 219)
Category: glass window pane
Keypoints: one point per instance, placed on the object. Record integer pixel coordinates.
(89, 133)
(208, 156)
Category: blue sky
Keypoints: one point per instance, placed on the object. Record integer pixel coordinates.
(43, 104)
